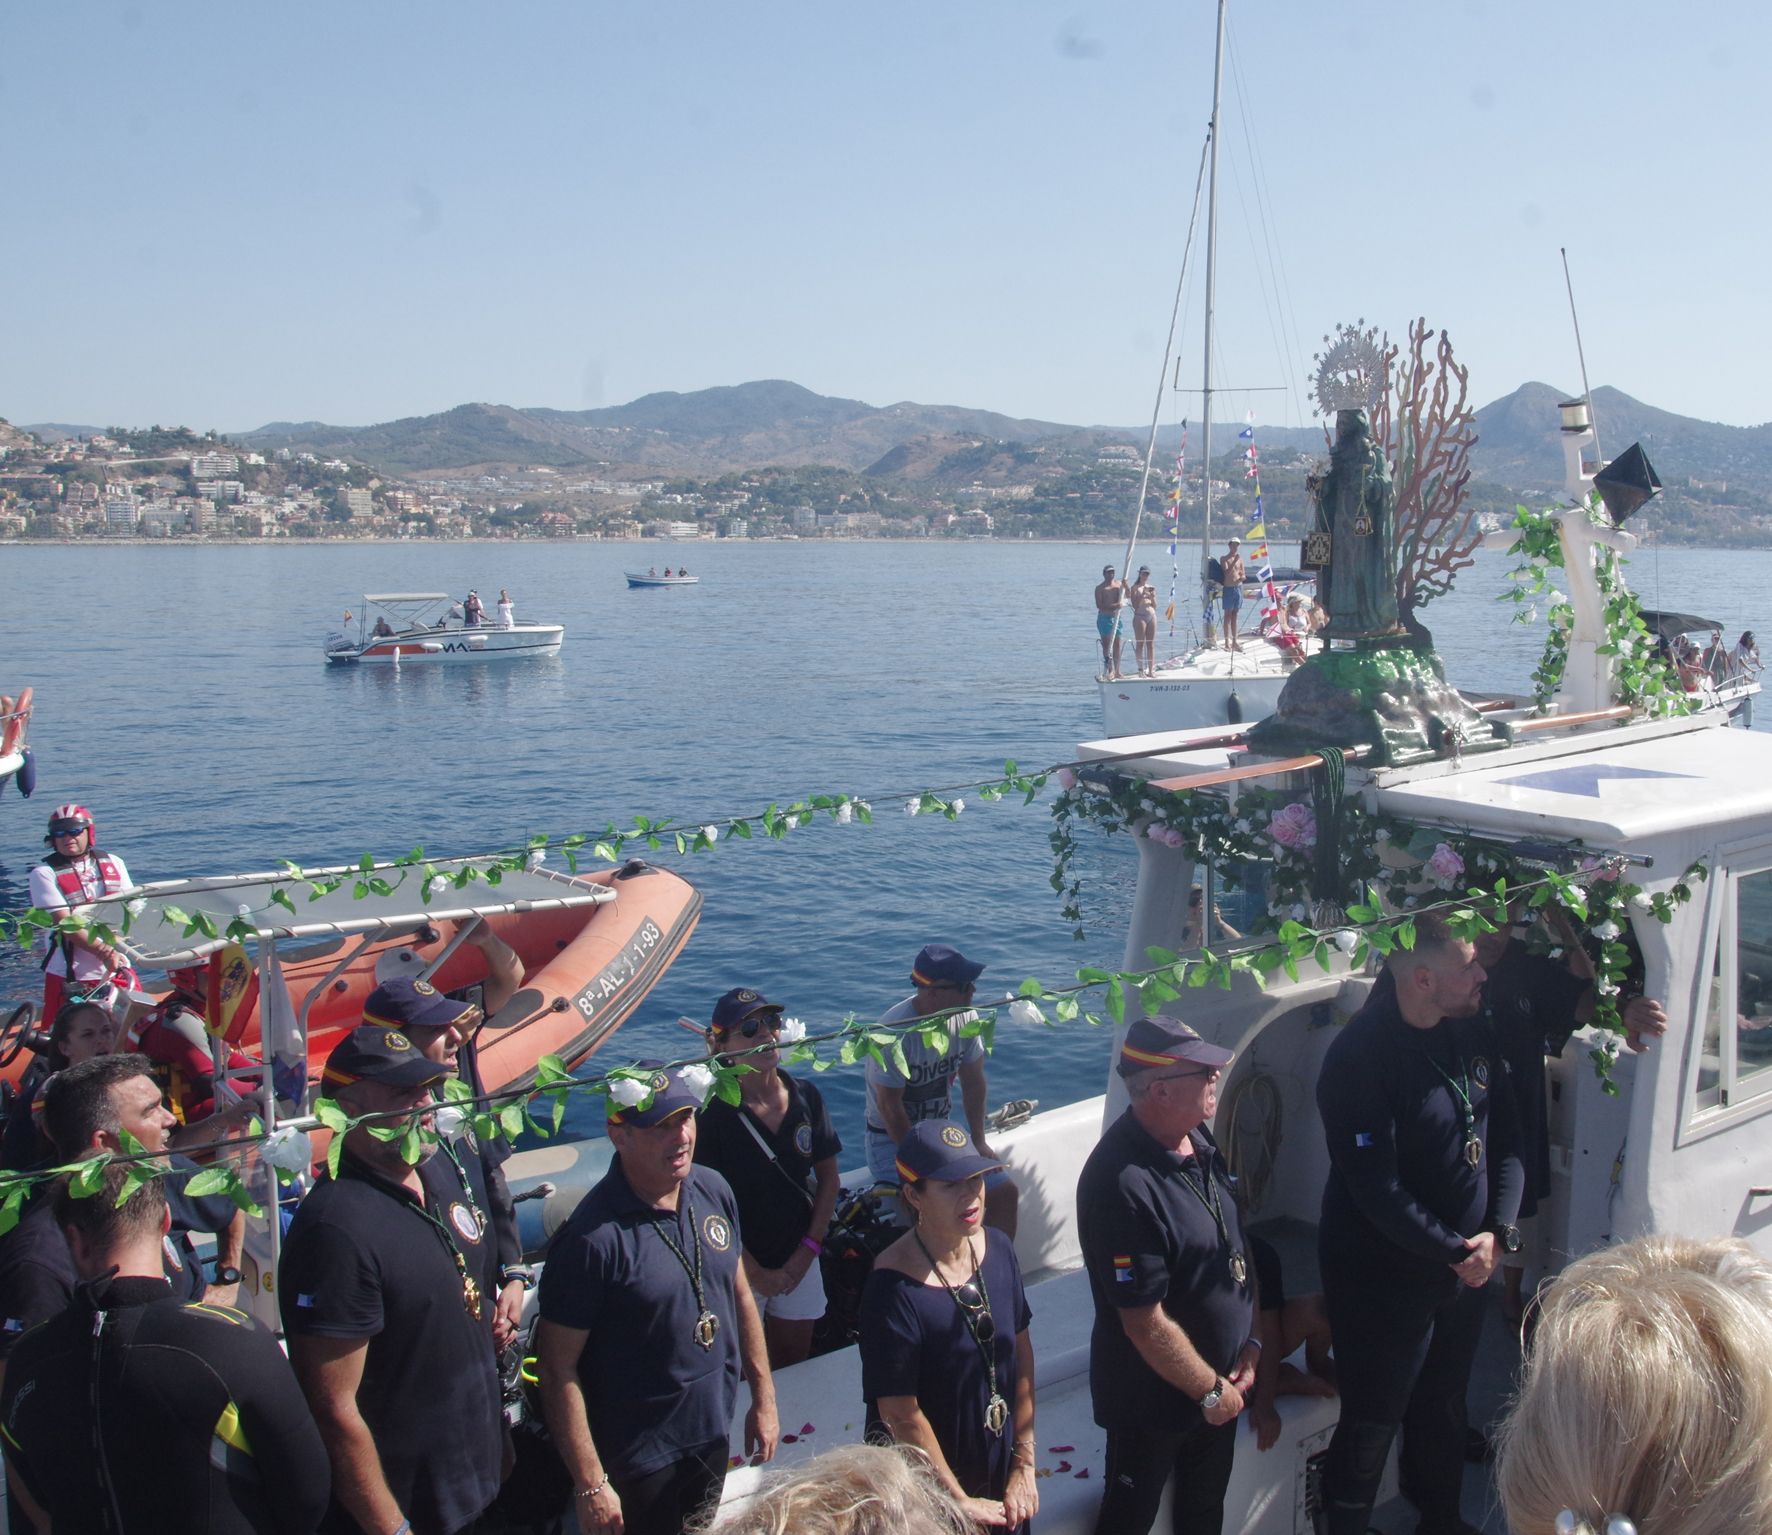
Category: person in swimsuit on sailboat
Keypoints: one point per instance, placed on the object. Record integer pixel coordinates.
(1232, 595)
(1110, 597)
(1144, 622)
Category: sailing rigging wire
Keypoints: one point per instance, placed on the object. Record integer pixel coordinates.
(1150, 451)
(1292, 351)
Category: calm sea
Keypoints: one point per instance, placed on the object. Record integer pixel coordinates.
(182, 696)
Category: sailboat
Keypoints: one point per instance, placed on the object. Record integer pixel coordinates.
(1209, 684)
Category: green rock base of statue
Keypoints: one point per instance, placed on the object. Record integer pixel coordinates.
(1387, 697)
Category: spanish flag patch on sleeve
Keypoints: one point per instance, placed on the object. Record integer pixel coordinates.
(1122, 1268)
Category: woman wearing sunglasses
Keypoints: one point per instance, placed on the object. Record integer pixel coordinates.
(946, 1362)
(778, 1150)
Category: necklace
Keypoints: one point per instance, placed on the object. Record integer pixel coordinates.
(1461, 1093)
(1236, 1262)
(707, 1325)
(468, 1212)
(976, 1318)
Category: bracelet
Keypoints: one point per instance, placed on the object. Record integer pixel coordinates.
(815, 1248)
(583, 1492)
(403, 1528)
(1254, 1343)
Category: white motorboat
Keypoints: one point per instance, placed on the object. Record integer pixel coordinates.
(1706, 664)
(636, 578)
(429, 626)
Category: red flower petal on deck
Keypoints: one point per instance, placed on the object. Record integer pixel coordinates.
(733, 1462)
(807, 1428)
(790, 1438)
(1063, 1465)
(1083, 1475)
(1062, 1449)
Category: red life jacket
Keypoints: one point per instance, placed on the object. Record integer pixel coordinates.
(110, 879)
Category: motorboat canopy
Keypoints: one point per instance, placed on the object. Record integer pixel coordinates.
(156, 938)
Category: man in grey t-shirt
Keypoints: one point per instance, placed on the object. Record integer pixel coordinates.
(944, 979)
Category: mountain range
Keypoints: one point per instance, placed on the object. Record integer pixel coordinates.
(774, 422)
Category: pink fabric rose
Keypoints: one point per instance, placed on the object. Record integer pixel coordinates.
(1445, 865)
(1067, 780)
(1294, 827)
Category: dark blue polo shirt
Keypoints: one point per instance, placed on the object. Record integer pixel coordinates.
(652, 1393)
(1148, 1237)
(1401, 1196)
(363, 1260)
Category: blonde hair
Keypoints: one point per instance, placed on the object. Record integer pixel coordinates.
(1648, 1393)
(856, 1489)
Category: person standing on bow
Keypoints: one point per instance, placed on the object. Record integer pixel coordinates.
(75, 873)
(946, 1361)
(945, 979)
(647, 1323)
(1110, 597)
(1143, 597)
(777, 1149)
(1424, 1187)
(1172, 1355)
(473, 611)
(1231, 567)
(507, 612)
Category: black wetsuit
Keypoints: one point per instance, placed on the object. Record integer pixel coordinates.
(1401, 1110)
(135, 1411)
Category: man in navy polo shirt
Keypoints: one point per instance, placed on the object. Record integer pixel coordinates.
(387, 1284)
(647, 1321)
(1173, 1351)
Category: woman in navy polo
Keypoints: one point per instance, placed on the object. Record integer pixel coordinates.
(946, 1362)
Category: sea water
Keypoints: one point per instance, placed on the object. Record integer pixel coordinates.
(182, 696)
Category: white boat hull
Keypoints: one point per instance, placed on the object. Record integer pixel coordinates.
(634, 580)
(1196, 690)
(429, 646)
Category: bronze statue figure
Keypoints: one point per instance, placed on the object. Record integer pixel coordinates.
(1359, 503)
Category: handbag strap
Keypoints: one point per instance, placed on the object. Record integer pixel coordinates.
(769, 1151)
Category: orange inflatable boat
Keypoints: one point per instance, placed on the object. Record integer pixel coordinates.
(591, 946)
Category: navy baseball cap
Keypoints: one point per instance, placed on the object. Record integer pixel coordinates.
(370, 1053)
(940, 1149)
(404, 1003)
(940, 964)
(739, 1004)
(1154, 1042)
(670, 1096)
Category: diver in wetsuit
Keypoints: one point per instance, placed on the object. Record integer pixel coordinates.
(1423, 1190)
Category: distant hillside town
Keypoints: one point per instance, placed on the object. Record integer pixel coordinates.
(772, 460)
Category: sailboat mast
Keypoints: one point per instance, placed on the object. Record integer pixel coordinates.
(1211, 274)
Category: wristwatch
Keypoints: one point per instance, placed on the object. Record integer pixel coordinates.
(1509, 1237)
(226, 1273)
(1213, 1397)
(517, 1273)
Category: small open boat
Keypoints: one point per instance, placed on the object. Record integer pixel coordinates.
(428, 626)
(636, 578)
(16, 761)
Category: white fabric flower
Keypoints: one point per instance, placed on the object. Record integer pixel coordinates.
(791, 1032)
(1300, 913)
(959, 805)
(1023, 1011)
(845, 814)
(135, 906)
(1641, 900)
(1346, 941)
(712, 833)
(535, 859)
(438, 884)
(1578, 893)
(1381, 835)
(1606, 931)
(698, 1079)
(913, 807)
(287, 1149)
(628, 1091)
(792, 822)
(449, 1120)
(242, 910)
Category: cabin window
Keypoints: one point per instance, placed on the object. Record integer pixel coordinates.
(1735, 1060)
(1753, 982)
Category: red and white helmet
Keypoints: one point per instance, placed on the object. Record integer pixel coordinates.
(68, 818)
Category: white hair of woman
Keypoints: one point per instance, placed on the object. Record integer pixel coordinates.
(856, 1489)
(1647, 1397)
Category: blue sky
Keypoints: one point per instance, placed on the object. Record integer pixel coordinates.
(225, 214)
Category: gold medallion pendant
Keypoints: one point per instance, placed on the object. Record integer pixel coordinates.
(1473, 1151)
(707, 1328)
(996, 1414)
(470, 1297)
(1239, 1269)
